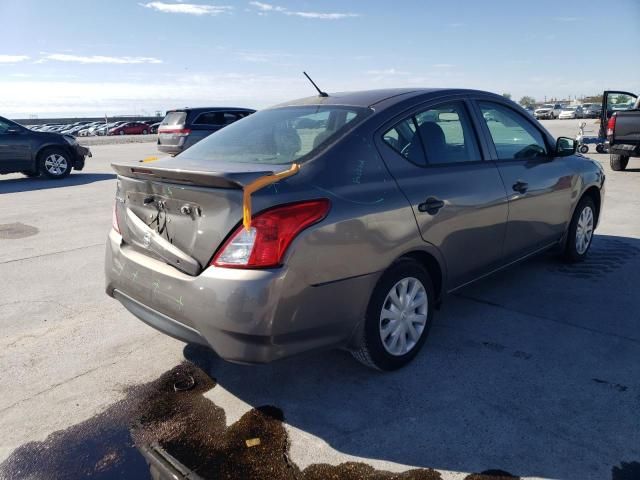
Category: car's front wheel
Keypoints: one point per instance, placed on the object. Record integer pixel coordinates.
(618, 162)
(581, 231)
(55, 163)
(398, 317)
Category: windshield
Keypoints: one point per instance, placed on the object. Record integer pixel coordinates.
(569, 109)
(277, 136)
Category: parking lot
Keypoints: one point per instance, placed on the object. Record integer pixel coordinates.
(533, 371)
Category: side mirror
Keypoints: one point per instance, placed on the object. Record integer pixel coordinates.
(565, 146)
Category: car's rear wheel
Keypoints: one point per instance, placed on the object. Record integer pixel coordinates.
(55, 163)
(398, 317)
(618, 162)
(581, 231)
(583, 149)
(144, 132)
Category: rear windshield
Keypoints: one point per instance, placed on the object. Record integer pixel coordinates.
(277, 136)
(174, 118)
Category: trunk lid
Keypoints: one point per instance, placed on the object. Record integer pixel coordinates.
(173, 131)
(182, 215)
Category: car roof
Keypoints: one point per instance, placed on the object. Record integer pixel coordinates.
(209, 109)
(383, 97)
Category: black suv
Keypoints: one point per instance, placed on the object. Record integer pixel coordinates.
(183, 127)
(34, 153)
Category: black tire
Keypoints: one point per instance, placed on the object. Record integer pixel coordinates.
(121, 132)
(600, 148)
(583, 149)
(53, 172)
(30, 173)
(618, 162)
(571, 252)
(372, 351)
(144, 132)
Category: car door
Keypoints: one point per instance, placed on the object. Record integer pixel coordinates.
(539, 187)
(15, 147)
(458, 198)
(612, 101)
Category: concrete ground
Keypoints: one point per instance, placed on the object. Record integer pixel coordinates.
(533, 371)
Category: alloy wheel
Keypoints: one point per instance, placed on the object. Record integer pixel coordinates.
(56, 164)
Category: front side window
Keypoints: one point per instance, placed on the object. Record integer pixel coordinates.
(4, 126)
(514, 137)
(277, 136)
(620, 101)
(440, 135)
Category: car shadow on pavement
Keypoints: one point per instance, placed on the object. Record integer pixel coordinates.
(14, 185)
(533, 371)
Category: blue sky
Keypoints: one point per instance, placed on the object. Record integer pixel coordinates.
(124, 56)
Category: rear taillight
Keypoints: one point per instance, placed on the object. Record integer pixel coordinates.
(175, 131)
(611, 125)
(272, 231)
(114, 218)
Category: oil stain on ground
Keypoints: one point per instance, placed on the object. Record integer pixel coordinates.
(172, 413)
(15, 231)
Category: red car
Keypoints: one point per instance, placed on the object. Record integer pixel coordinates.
(131, 128)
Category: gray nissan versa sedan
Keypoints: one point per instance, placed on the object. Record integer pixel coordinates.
(341, 221)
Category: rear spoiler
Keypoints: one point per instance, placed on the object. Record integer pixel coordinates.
(238, 179)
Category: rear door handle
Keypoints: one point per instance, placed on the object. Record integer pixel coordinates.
(520, 187)
(431, 206)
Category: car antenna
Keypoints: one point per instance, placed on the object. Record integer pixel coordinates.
(320, 92)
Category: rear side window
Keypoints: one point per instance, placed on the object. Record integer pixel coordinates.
(438, 136)
(277, 136)
(174, 118)
(209, 118)
(514, 137)
(217, 118)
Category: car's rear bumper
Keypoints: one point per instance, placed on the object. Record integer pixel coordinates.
(246, 316)
(170, 149)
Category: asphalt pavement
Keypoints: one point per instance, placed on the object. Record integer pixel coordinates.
(533, 371)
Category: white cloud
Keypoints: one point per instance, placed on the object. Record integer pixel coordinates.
(13, 58)
(63, 57)
(388, 71)
(268, 7)
(188, 8)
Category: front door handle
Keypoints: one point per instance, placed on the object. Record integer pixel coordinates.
(520, 187)
(431, 206)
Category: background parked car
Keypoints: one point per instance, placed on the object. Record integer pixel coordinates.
(571, 112)
(130, 128)
(183, 127)
(591, 110)
(154, 127)
(34, 153)
(548, 111)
